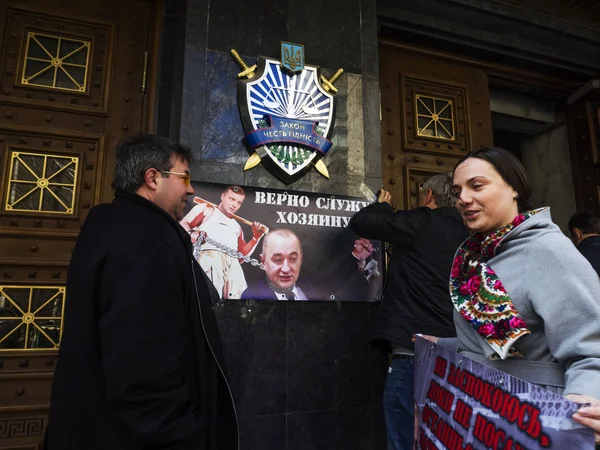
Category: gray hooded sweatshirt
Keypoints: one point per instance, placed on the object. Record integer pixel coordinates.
(557, 293)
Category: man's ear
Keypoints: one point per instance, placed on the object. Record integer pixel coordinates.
(426, 199)
(429, 197)
(262, 258)
(150, 178)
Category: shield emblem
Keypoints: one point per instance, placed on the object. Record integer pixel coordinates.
(287, 117)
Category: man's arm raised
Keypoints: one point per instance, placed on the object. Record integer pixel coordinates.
(246, 248)
(197, 215)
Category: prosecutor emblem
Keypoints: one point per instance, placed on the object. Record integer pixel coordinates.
(287, 111)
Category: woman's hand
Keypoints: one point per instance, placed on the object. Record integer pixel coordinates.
(433, 339)
(587, 415)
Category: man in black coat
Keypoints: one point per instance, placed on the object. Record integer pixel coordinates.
(141, 365)
(416, 298)
(584, 227)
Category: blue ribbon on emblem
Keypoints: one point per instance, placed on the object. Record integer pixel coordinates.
(289, 131)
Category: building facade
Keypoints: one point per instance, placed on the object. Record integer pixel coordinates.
(424, 83)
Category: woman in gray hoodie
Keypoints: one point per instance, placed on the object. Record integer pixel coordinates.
(526, 302)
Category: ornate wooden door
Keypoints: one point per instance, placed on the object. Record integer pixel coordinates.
(71, 82)
(434, 111)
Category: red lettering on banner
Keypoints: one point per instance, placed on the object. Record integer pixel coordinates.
(487, 393)
(510, 409)
(499, 399)
(529, 422)
(448, 435)
(494, 438)
(478, 389)
(535, 427)
(479, 429)
(468, 379)
(440, 367)
(454, 376)
(440, 396)
(506, 405)
(430, 417)
(424, 442)
(545, 441)
(463, 414)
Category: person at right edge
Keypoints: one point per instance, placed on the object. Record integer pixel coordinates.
(415, 297)
(584, 227)
(526, 301)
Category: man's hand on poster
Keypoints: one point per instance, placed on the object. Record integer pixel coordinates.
(587, 415)
(384, 197)
(362, 249)
(195, 234)
(258, 230)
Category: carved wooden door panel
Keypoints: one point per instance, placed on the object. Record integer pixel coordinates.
(71, 76)
(434, 111)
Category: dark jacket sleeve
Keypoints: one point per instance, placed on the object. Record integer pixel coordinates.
(379, 221)
(142, 345)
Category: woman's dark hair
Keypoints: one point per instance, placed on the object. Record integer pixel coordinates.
(509, 168)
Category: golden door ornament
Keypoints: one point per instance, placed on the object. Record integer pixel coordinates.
(56, 62)
(31, 317)
(435, 117)
(42, 183)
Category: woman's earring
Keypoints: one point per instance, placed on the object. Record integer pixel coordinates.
(516, 196)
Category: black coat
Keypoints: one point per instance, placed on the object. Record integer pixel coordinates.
(140, 365)
(259, 290)
(416, 296)
(590, 248)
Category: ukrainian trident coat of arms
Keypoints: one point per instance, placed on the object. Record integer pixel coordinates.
(287, 111)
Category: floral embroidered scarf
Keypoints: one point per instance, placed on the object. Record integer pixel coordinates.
(479, 295)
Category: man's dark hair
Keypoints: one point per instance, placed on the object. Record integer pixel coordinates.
(588, 222)
(509, 168)
(235, 189)
(137, 154)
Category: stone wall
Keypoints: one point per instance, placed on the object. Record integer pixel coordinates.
(303, 374)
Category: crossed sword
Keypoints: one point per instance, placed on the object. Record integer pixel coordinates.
(201, 201)
(248, 72)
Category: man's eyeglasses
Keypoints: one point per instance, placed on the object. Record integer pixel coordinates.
(185, 176)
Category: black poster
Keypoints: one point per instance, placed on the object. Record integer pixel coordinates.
(269, 244)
